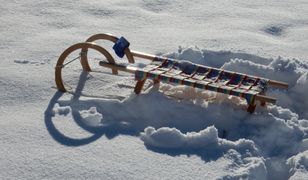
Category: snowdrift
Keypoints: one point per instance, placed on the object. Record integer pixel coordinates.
(271, 143)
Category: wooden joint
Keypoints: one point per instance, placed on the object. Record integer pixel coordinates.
(251, 108)
(156, 81)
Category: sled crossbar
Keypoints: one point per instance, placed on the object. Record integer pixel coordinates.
(177, 72)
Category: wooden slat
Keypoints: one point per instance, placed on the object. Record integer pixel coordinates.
(278, 84)
(263, 98)
(129, 69)
(143, 55)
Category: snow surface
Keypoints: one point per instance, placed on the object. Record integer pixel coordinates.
(104, 131)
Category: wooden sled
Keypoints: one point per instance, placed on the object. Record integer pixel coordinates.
(162, 69)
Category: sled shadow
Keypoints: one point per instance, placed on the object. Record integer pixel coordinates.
(56, 134)
(75, 105)
(111, 131)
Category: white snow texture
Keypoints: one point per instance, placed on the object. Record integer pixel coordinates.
(102, 130)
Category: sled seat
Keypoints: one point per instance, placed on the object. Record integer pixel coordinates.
(204, 77)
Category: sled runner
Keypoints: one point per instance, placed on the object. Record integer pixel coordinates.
(162, 69)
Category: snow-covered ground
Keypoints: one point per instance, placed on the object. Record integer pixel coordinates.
(194, 135)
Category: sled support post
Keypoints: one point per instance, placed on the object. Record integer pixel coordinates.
(139, 86)
(84, 59)
(251, 108)
(263, 99)
(262, 102)
(156, 81)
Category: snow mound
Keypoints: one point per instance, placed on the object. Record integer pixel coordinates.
(205, 139)
(245, 167)
(61, 110)
(246, 162)
(91, 117)
(214, 58)
(298, 165)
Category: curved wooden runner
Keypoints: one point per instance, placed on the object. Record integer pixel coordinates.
(84, 61)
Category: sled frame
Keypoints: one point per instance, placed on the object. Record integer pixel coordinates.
(83, 47)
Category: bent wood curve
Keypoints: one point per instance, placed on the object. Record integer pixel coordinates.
(85, 64)
(110, 37)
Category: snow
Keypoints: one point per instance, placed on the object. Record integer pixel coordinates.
(105, 131)
(205, 139)
(298, 165)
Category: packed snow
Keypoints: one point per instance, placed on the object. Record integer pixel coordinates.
(104, 131)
